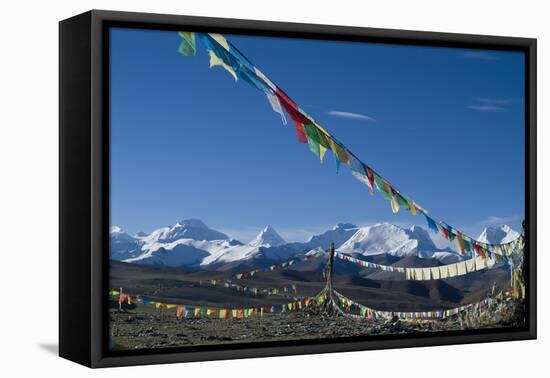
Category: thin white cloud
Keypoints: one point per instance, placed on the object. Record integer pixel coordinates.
(350, 115)
(479, 55)
(488, 108)
(486, 104)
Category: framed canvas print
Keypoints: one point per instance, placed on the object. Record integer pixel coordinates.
(234, 188)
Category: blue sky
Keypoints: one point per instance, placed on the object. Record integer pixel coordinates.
(445, 126)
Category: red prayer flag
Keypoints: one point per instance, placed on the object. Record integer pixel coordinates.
(445, 232)
(300, 132)
(179, 311)
(297, 117)
(461, 243)
(476, 248)
(370, 176)
(122, 298)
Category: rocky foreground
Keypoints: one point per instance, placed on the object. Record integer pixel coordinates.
(146, 327)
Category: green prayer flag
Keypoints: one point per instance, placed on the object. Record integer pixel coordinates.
(381, 186)
(323, 138)
(451, 234)
(402, 201)
(188, 45)
(312, 139)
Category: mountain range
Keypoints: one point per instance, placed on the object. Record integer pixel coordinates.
(191, 243)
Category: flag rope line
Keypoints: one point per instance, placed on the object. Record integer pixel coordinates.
(441, 314)
(268, 291)
(460, 268)
(274, 267)
(185, 311)
(223, 53)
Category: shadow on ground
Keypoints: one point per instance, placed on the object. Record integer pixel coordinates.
(51, 348)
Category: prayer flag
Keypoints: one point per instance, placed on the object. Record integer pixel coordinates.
(276, 106)
(445, 232)
(188, 44)
(431, 223)
(312, 139)
(393, 199)
(412, 208)
(355, 164)
(371, 179)
(179, 311)
(122, 298)
(215, 60)
(461, 243)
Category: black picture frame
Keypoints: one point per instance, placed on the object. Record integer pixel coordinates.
(84, 185)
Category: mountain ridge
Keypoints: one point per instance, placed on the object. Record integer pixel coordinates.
(191, 243)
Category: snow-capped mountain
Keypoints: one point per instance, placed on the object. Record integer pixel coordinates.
(390, 239)
(447, 257)
(191, 243)
(338, 235)
(267, 238)
(498, 235)
(186, 229)
(122, 245)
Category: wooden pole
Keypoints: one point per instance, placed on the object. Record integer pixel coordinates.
(329, 306)
(119, 301)
(331, 266)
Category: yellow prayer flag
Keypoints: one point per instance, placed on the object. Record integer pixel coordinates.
(412, 207)
(322, 151)
(220, 39)
(216, 61)
(394, 205)
(392, 197)
(327, 134)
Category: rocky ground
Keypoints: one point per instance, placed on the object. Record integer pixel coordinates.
(145, 327)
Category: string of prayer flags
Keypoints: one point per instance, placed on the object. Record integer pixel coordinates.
(368, 264)
(430, 273)
(274, 267)
(268, 291)
(186, 311)
(223, 53)
(449, 270)
(439, 314)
